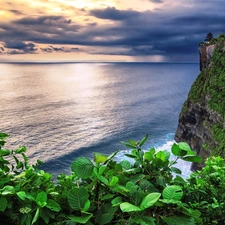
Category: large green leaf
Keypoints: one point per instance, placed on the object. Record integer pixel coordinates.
(128, 207)
(150, 200)
(177, 151)
(53, 205)
(105, 214)
(184, 146)
(81, 219)
(144, 220)
(3, 203)
(172, 192)
(41, 199)
(77, 198)
(116, 201)
(179, 220)
(135, 196)
(125, 164)
(82, 167)
(4, 152)
(192, 158)
(36, 216)
(8, 190)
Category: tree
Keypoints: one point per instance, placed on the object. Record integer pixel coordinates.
(209, 37)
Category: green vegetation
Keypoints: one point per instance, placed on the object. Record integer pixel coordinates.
(147, 191)
(209, 91)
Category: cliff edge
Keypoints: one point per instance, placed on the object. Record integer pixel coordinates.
(202, 119)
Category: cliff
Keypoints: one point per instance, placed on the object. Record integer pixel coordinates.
(202, 119)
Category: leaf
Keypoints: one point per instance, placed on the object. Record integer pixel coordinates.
(177, 151)
(169, 201)
(150, 200)
(82, 167)
(131, 156)
(125, 164)
(172, 192)
(146, 185)
(113, 181)
(143, 140)
(4, 152)
(102, 169)
(35, 218)
(53, 205)
(131, 146)
(179, 220)
(192, 158)
(163, 155)
(3, 203)
(111, 156)
(8, 190)
(144, 220)
(41, 199)
(135, 196)
(116, 201)
(105, 214)
(184, 146)
(21, 195)
(107, 196)
(86, 206)
(176, 170)
(81, 219)
(3, 135)
(20, 150)
(99, 158)
(77, 198)
(128, 207)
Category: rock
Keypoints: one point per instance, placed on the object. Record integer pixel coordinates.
(201, 122)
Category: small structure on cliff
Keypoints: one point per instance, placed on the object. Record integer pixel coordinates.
(202, 119)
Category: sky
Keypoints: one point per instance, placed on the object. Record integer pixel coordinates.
(107, 30)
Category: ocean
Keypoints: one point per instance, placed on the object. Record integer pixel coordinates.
(61, 111)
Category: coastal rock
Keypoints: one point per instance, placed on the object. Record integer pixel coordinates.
(201, 122)
(205, 54)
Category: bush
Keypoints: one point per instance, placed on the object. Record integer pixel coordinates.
(147, 191)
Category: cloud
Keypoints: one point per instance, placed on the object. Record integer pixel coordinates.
(156, 1)
(17, 12)
(173, 33)
(51, 49)
(18, 47)
(41, 20)
(111, 13)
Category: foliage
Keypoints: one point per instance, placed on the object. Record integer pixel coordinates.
(205, 191)
(209, 88)
(145, 188)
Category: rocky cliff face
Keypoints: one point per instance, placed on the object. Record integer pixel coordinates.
(205, 54)
(202, 119)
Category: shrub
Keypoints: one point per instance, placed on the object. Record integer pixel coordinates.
(148, 190)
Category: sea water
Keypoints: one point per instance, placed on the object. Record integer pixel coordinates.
(61, 111)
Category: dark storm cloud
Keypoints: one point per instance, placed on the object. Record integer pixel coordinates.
(111, 13)
(173, 34)
(20, 47)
